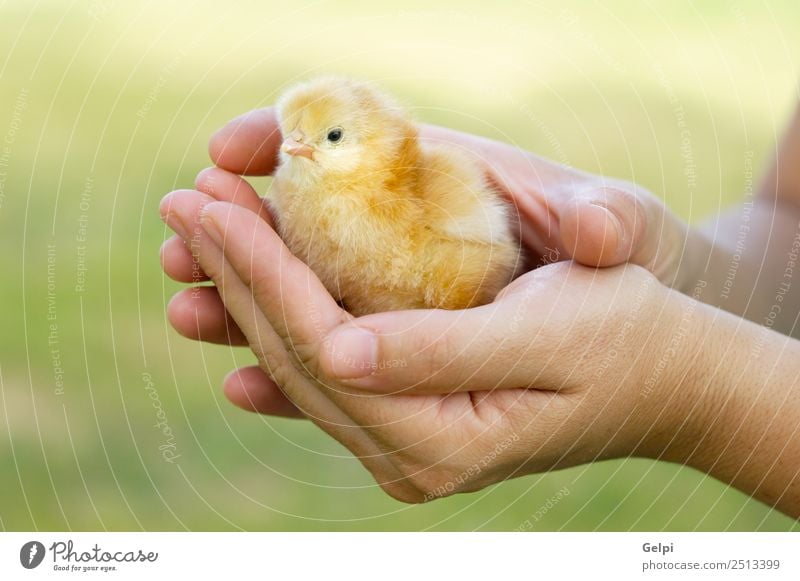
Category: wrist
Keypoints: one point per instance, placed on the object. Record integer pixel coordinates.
(698, 256)
(743, 429)
(677, 394)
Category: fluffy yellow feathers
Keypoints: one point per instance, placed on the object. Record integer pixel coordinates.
(385, 220)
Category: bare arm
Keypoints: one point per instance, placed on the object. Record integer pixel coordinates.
(746, 260)
(782, 181)
(741, 422)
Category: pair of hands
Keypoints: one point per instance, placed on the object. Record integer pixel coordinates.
(557, 371)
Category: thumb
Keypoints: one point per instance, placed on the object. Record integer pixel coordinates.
(431, 351)
(611, 225)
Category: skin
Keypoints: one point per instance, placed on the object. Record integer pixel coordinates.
(746, 281)
(437, 402)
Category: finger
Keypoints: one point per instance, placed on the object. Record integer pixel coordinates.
(271, 349)
(225, 186)
(593, 234)
(198, 313)
(179, 263)
(596, 225)
(435, 351)
(250, 389)
(249, 144)
(180, 210)
(293, 299)
(177, 259)
(610, 225)
(601, 226)
(307, 396)
(238, 300)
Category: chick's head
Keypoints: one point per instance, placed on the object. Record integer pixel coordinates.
(337, 125)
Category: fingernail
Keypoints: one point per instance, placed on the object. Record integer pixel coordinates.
(614, 219)
(164, 206)
(354, 353)
(170, 218)
(210, 226)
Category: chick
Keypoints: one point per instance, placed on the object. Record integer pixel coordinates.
(386, 221)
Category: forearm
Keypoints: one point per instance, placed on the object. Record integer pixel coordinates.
(741, 418)
(748, 263)
(745, 260)
(782, 178)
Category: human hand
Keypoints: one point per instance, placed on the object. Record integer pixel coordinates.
(443, 401)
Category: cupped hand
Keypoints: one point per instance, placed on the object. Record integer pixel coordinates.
(435, 402)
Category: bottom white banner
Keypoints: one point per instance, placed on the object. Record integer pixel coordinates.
(370, 556)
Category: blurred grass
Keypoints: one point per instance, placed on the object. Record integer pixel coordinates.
(114, 102)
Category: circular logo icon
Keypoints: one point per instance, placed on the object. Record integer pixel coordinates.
(31, 554)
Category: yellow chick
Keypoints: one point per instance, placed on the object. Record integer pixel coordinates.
(386, 221)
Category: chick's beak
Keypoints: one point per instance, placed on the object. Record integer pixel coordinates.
(297, 148)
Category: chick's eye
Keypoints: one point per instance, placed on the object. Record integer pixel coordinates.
(335, 135)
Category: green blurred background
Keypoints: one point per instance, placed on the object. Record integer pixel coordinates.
(106, 106)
